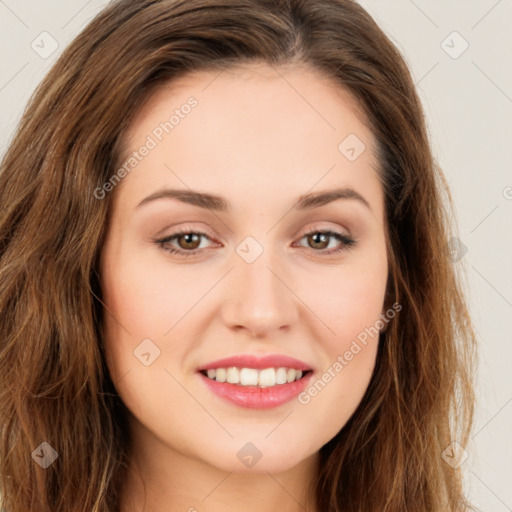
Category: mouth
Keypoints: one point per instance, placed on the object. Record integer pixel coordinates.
(255, 388)
(256, 382)
(255, 378)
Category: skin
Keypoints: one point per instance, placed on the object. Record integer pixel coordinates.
(261, 138)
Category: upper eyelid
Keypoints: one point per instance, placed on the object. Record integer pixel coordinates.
(335, 226)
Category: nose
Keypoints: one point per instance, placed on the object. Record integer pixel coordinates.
(260, 298)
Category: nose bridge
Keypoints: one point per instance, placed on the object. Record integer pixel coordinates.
(259, 299)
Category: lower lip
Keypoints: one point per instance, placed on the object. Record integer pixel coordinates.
(254, 397)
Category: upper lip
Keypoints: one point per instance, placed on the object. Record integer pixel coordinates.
(251, 361)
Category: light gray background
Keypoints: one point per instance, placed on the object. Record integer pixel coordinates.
(468, 102)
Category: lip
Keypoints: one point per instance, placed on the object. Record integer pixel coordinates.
(259, 363)
(253, 397)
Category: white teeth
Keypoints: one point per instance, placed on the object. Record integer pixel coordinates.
(290, 375)
(233, 375)
(252, 377)
(281, 376)
(267, 378)
(248, 377)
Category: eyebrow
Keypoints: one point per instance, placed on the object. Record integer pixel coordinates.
(218, 203)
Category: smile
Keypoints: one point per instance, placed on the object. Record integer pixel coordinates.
(272, 392)
(268, 377)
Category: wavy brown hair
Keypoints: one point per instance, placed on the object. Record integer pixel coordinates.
(54, 384)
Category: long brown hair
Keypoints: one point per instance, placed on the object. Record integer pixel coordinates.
(54, 385)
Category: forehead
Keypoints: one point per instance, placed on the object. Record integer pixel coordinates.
(255, 92)
(254, 127)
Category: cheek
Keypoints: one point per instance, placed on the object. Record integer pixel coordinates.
(148, 298)
(349, 347)
(334, 394)
(349, 302)
(145, 299)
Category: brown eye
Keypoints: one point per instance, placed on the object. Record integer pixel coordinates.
(189, 241)
(318, 240)
(183, 243)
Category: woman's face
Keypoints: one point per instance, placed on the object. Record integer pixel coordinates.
(255, 276)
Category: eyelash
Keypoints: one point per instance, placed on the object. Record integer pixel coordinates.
(347, 242)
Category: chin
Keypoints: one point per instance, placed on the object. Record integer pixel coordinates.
(255, 456)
